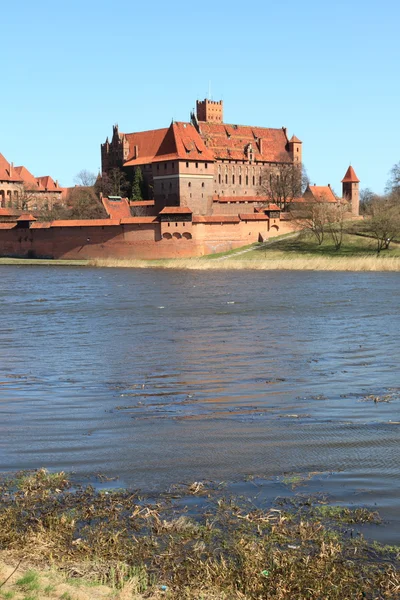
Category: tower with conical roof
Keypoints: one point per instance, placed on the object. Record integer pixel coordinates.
(351, 191)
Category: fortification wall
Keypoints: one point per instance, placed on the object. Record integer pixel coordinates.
(130, 241)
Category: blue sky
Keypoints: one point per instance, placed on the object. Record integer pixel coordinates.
(326, 71)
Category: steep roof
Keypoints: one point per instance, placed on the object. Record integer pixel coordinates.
(295, 140)
(183, 142)
(117, 209)
(231, 142)
(7, 172)
(147, 142)
(319, 193)
(350, 176)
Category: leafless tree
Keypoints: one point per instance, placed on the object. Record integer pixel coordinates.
(85, 178)
(283, 182)
(336, 216)
(383, 221)
(393, 183)
(310, 216)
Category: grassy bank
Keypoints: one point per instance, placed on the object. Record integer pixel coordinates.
(43, 262)
(76, 544)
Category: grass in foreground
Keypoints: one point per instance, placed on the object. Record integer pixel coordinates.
(117, 544)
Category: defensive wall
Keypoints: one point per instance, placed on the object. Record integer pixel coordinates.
(135, 237)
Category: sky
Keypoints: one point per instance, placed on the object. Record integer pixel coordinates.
(328, 71)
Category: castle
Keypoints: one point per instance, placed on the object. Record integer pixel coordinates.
(203, 180)
(21, 190)
(202, 164)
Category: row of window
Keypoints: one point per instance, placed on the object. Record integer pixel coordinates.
(240, 180)
(187, 165)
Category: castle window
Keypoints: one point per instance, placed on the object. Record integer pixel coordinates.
(190, 184)
(165, 165)
(254, 180)
(206, 166)
(197, 165)
(226, 178)
(187, 165)
(233, 180)
(219, 178)
(247, 180)
(173, 165)
(240, 180)
(202, 185)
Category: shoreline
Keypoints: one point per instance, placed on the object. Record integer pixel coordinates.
(274, 263)
(194, 541)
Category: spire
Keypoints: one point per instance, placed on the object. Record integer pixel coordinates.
(350, 176)
(295, 140)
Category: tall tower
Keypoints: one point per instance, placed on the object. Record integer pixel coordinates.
(351, 191)
(210, 111)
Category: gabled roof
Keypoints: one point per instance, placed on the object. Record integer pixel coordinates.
(26, 217)
(295, 140)
(117, 209)
(183, 142)
(350, 176)
(147, 142)
(319, 193)
(7, 172)
(231, 142)
(49, 184)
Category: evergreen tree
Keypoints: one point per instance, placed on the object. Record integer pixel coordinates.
(137, 186)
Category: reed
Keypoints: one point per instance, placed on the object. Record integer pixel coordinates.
(297, 263)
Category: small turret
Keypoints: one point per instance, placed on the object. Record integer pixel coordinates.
(351, 190)
(295, 149)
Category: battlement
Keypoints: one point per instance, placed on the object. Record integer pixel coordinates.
(211, 111)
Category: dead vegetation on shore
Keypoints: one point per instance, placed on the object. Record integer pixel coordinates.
(136, 548)
(309, 263)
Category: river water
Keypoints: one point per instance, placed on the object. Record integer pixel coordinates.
(159, 377)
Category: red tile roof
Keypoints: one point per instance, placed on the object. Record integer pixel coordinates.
(141, 203)
(350, 176)
(117, 209)
(147, 142)
(295, 140)
(41, 225)
(26, 217)
(7, 225)
(231, 142)
(133, 220)
(253, 217)
(182, 142)
(175, 210)
(319, 193)
(216, 219)
(7, 172)
(9, 212)
(85, 223)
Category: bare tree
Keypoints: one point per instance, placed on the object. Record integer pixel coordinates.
(85, 178)
(383, 221)
(336, 215)
(311, 216)
(27, 197)
(393, 183)
(283, 182)
(84, 203)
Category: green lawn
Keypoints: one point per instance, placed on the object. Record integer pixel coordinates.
(306, 245)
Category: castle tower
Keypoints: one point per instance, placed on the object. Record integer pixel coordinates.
(210, 111)
(351, 191)
(295, 149)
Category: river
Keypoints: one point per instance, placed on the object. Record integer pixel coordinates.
(159, 377)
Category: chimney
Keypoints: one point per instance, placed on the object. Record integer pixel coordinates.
(136, 151)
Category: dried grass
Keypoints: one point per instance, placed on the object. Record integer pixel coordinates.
(309, 263)
(231, 551)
